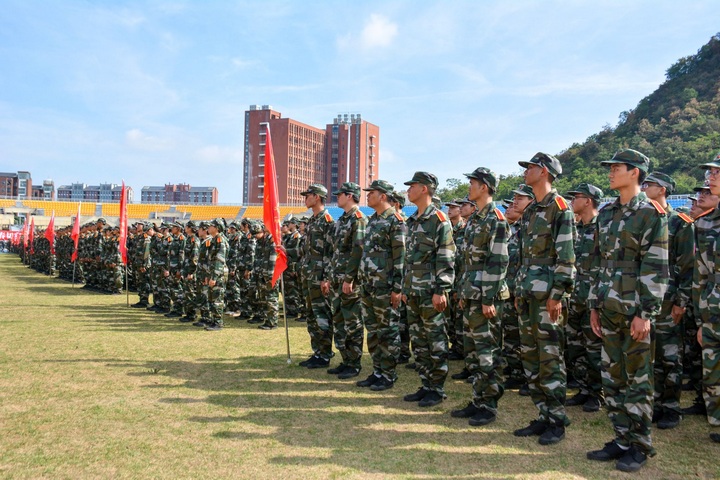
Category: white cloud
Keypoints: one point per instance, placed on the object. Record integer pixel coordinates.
(378, 32)
(137, 139)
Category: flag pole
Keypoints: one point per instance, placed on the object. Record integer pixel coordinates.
(127, 290)
(284, 312)
(74, 265)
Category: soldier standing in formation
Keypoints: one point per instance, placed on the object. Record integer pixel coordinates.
(631, 262)
(342, 283)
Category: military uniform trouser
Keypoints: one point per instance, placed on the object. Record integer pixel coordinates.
(175, 290)
(347, 324)
(585, 354)
(668, 369)
(382, 323)
(189, 291)
(404, 331)
(542, 355)
(454, 316)
(216, 301)
(483, 341)
(319, 323)
(628, 380)
(292, 297)
(511, 346)
(692, 355)
(267, 302)
(202, 305)
(142, 280)
(428, 334)
(711, 371)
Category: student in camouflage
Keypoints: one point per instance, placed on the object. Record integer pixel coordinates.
(316, 258)
(454, 312)
(630, 269)
(545, 278)
(244, 265)
(668, 325)
(176, 257)
(706, 297)
(429, 276)
(202, 274)
(380, 273)
(342, 283)
(188, 271)
(482, 290)
(217, 248)
(523, 196)
(265, 259)
(291, 242)
(584, 348)
(397, 201)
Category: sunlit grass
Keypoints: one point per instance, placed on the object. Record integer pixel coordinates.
(92, 389)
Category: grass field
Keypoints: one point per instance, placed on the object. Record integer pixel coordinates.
(92, 389)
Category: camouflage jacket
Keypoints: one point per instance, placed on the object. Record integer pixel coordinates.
(318, 246)
(485, 255)
(630, 258)
(458, 232)
(584, 248)
(706, 274)
(429, 254)
(513, 257)
(190, 256)
(347, 247)
(203, 268)
(545, 245)
(176, 251)
(292, 247)
(159, 250)
(246, 253)
(217, 248)
(681, 257)
(111, 252)
(265, 259)
(383, 259)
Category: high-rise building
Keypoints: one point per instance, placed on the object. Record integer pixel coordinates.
(103, 193)
(16, 185)
(181, 193)
(347, 149)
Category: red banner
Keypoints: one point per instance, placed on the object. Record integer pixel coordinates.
(76, 235)
(271, 208)
(12, 235)
(123, 224)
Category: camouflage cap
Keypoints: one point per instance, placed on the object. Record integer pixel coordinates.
(485, 175)
(348, 187)
(292, 219)
(524, 190)
(303, 219)
(425, 178)
(204, 225)
(256, 227)
(455, 202)
(101, 220)
(234, 225)
(507, 203)
(663, 180)
(715, 163)
(465, 200)
(544, 160)
(705, 186)
(191, 225)
(587, 189)
(316, 189)
(381, 186)
(176, 225)
(437, 201)
(630, 157)
(218, 223)
(397, 197)
(692, 198)
(683, 209)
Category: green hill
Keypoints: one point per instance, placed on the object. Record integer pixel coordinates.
(677, 127)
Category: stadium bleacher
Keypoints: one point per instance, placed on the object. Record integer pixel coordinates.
(208, 212)
(61, 209)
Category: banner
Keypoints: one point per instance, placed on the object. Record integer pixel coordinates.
(271, 208)
(11, 235)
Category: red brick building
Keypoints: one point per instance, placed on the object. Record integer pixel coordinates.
(305, 154)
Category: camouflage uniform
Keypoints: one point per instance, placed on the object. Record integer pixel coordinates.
(429, 269)
(244, 262)
(316, 256)
(381, 273)
(140, 259)
(202, 275)
(706, 297)
(485, 260)
(512, 351)
(347, 250)
(265, 259)
(189, 268)
(630, 270)
(217, 271)
(454, 313)
(176, 257)
(293, 299)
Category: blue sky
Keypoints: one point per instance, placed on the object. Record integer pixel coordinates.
(155, 92)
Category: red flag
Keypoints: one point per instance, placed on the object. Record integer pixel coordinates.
(50, 233)
(25, 234)
(31, 235)
(75, 235)
(123, 224)
(271, 208)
